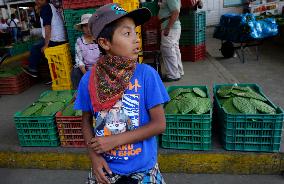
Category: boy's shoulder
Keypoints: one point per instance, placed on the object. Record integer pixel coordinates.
(147, 72)
(144, 68)
(85, 79)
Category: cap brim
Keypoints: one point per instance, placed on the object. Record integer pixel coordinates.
(78, 27)
(140, 15)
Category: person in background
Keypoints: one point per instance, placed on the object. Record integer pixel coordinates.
(87, 52)
(4, 32)
(3, 25)
(14, 25)
(53, 32)
(170, 35)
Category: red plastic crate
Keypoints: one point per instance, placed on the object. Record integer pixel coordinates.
(151, 40)
(151, 37)
(193, 53)
(81, 4)
(13, 79)
(151, 34)
(151, 47)
(154, 22)
(73, 144)
(70, 130)
(16, 84)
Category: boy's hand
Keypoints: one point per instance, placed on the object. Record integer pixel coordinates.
(99, 165)
(103, 144)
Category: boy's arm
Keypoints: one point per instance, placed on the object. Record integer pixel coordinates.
(98, 162)
(156, 126)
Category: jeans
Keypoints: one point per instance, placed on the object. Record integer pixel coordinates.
(15, 34)
(36, 54)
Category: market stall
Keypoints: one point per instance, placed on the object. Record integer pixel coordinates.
(261, 20)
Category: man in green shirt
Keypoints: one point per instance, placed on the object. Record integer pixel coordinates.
(171, 30)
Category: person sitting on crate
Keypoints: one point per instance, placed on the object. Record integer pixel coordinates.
(53, 32)
(87, 52)
(127, 100)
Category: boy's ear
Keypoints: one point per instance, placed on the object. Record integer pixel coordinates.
(104, 43)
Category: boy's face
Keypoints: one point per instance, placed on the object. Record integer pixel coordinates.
(125, 42)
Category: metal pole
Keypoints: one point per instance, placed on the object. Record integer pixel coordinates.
(27, 14)
(9, 9)
(19, 14)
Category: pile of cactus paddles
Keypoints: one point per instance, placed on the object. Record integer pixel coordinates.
(188, 101)
(49, 104)
(69, 111)
(243, 100)
(10, 71)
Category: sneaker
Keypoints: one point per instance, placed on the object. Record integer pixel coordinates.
(4, 57)
(167, 79)
(28, 71)
(48, 82)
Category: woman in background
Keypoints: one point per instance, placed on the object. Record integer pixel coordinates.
(87, 52)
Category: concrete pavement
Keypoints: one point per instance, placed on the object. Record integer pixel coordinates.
(208, 72)
(35, 176)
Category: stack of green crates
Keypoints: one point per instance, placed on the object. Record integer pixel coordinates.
(152, 6)
(249, 132)
(71, 18)
(193, 24)
(36, 129)
(190, 131)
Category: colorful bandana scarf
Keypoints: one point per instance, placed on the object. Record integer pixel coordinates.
(110, 77)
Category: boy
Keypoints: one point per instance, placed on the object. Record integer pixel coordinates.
(126, 99)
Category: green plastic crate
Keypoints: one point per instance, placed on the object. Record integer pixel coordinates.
(253, 132)
(191, 131)
(40, 130)
(152, 6)
(72, 17)
(38, 136)
(189, 37)
(33, 122)
(194, 21)
(37, 130)
(40, 143)
(72, 37)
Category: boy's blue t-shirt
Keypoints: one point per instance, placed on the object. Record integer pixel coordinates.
(144, 92)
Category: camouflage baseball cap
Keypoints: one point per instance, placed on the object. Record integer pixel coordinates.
(112, 12)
